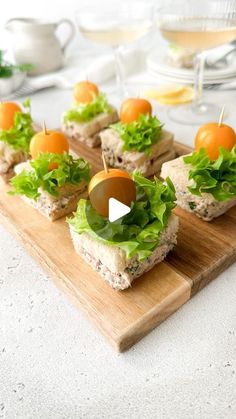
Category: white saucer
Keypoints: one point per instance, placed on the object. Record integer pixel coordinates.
(157, 66)
(183, 80)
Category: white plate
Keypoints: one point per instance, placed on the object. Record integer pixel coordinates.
(183, 80)
(156, 64)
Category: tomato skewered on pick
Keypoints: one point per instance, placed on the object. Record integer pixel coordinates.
(214, 135)
(132, 108)
(48, 142)
(110, 183)
(7, 114)
(85, 91)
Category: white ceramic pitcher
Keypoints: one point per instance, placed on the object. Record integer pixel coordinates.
(35, 42)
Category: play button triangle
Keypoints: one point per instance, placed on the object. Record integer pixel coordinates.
(117, 209)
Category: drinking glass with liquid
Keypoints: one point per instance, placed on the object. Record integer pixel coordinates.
(198, 26)
(115, 23)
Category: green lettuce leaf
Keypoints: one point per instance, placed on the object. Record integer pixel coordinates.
(19, 136)
(139, 135)
(69, 170)
(217, 177)
(84, 112)
(137, 232)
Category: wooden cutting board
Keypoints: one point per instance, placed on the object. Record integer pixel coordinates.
(203, 251)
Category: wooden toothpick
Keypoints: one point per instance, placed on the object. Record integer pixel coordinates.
(45, 128)
(221, 116)
(104, 163)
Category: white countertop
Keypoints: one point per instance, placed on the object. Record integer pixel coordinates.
(55, 365)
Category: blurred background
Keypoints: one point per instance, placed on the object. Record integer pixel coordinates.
(52, 11)
(183, 45)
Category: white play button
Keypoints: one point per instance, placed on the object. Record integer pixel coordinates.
(117, 209)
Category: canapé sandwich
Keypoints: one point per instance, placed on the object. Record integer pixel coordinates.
(53, 181)
(123, 250)
(205, 181)
(89, 115)
(16, 131)
(138, 141)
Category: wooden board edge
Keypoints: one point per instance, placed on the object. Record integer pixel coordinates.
(200, 282)
(143, 326)
(151, 319)
(131, 335)
(59, 279)
(217, 269)
(154, 317)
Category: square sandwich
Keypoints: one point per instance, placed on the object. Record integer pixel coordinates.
(16, 131)
(147, 164)
(89, 115)
(203, 187)
(138, 141)
(123, 250)
(53, 192)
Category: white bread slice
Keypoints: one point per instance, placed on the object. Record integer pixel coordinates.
(9, 157)
(205, 206)
(148, 165)
(88, 132)
(111, 261)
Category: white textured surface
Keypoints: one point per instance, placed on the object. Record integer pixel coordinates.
(55, 365)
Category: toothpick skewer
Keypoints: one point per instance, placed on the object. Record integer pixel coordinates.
(221, 116)
(104, 163)
(45, 128)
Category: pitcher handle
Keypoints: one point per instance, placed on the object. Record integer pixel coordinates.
(71, 34)
(14, 19)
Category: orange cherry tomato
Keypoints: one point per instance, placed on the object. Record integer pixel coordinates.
(51, 142)
(116, 184)
(212, 136)
(7, 114)
(85, 91)
(132, 108)
(48, 142)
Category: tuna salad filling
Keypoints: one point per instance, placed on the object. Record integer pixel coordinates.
(207, 191)
(72, 131)
(203, 207)
(53, 207)
(126, 248)
(148, 166)
(121, 280)
(147, 163)
(88, 132)
(9, 157)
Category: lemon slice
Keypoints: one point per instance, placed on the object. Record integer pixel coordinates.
(185, 96)
(169, 91)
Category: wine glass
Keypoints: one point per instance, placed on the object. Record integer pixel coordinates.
(197, 25)
(115, 23)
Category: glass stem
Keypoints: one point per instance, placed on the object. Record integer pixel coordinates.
(119, 72)
(199, 62)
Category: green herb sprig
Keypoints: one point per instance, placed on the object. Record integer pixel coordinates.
(7, 70)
